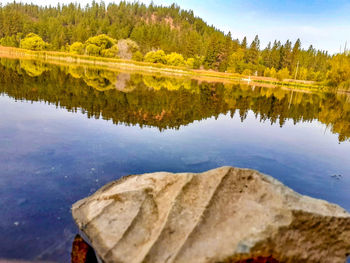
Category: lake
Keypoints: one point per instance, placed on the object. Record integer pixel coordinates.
(66, 130)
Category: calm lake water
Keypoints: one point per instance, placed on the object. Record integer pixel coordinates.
(65, 131)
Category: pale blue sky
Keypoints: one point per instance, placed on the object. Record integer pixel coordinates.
(323, 23)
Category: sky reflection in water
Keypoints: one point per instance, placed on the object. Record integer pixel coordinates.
(51, 157)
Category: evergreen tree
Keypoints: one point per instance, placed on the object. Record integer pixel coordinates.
(296, 52)
(244, 43)
(286, 55)
(276, 54)
(266, 56)
(252, 54)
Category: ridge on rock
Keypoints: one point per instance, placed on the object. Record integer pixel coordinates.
(222, 215)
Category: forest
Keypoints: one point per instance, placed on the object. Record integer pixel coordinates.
(166, 35)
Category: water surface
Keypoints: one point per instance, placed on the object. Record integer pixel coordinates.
(66, 130)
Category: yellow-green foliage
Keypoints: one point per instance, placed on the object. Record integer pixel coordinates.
(33, 42)
(101, 45)
(175, 59)
(158, 83)
(93, 50)
(235, 61)
(340, 69)
(190, 62)
(270, 72)
(10, 41)
(110, 52)
(345, 85)
(273, 72)
(184, 34)
(303, 73)
(137, 56)
(198, 61)
(283, 74)
(267, 72)
(132, 45)
(33, 68)
(77, 48)
(316, 75)
(247, 72)
(172, 59)
(102, 41)
(156, 57)
(100, 80)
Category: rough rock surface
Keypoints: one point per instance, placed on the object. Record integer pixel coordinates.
(82, 252)
(222, 215)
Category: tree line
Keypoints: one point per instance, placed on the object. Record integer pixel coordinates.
(161, 34)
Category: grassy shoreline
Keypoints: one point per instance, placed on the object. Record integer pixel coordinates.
(55, 57)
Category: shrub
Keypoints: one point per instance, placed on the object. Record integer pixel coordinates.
(156, 57)
(9, 41)
(175, 59)
(111, 52)
(33, 68)
(137, 56)
(267, 72)
(303, 73)
(283, 74)
(273, 72)
(102, 41)
(77, 48)
(198, 61)
(93, 50)
(190, 62)
(33, 42)
(247, 72)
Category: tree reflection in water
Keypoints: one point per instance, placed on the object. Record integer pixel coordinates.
(164, 102)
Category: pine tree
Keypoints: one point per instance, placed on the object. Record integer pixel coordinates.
(286, 55)
(276, 54)
(252, 54)
(266, 56)
(226, 52)
(244, 43)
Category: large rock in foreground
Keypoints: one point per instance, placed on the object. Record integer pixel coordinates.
(223, 215)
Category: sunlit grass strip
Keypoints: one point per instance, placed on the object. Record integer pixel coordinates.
(147, 67)
(69, 57)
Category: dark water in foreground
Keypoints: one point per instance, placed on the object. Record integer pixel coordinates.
(66, 131)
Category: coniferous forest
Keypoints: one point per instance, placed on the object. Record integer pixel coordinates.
(167, 35)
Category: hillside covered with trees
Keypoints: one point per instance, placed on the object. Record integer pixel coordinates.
(167, 35)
